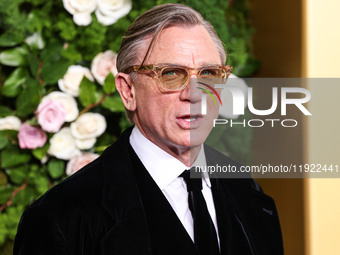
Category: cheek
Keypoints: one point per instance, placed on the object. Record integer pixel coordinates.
(151, 108)
(154, 107)
(143, 98)
(213, 108)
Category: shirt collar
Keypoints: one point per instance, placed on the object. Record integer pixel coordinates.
(202, 163)
(162, 167)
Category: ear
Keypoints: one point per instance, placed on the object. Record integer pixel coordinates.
(126, 91)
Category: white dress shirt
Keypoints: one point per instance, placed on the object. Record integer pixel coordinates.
(165, 169)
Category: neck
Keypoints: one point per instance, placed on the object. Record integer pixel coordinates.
(185, 154)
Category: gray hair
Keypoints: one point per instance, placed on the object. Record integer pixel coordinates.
(151, 23)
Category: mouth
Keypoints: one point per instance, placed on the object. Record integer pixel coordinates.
(190, 118)
(188, 121)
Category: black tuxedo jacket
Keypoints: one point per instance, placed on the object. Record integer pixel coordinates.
(113, 206)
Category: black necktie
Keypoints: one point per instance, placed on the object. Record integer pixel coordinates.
(204, 231)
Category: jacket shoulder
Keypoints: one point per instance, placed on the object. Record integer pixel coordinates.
(77, 189)
(55, 222)
(228, 170)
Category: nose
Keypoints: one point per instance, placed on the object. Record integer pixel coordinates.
(191, 93)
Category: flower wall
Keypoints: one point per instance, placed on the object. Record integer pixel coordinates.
(58, 105)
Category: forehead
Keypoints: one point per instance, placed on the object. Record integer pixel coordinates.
(191, 46)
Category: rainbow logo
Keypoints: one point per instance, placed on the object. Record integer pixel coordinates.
(209, 93)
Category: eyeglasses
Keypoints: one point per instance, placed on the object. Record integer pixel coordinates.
(176, 77)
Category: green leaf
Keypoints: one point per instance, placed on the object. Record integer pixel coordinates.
(5, 193)
(40, 152)
(12, 85)
(13, 157)
(5, 111)
(10, 39)
(17, 175)
(114, 104)
(25, 196)
(10, 135)
(105, 140)
(72, 53)
(51, 53)
(67, 28)
(6, 246)
(56, 168)
(34, 168)
(12, 220)
(40, 19)
(14, 57)
(100, 149)
(99, 95)
(53, 71)
(87, 90)
(41, 184)
(247, 68)
(33, 174)
(3, 180)
(33, 64)
(3, 140)
(29, 98)
(33, 121)
(109, 84)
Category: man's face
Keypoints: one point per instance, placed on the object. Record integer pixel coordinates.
(168, 119)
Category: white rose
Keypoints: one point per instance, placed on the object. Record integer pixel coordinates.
(84, 144)
(72, 79)
(36, 41)
(67, 101)
(102, 64)
(226, 110)
(44, 159)
(63, 145)
(81, 10)
(79, 162)
(109, 11)
(10, 122)
(88, 125)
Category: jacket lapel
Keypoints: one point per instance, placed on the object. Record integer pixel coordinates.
(120, 198)
(254, 213)
(167, 234)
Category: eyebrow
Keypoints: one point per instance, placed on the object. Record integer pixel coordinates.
(174, 64)
(209, 64)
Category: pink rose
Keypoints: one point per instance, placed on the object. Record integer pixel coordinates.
(31, 137)
(51, 115)
(102, 64)
(79, 162)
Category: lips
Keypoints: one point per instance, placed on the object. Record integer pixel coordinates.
(190, 118)
(189, 121)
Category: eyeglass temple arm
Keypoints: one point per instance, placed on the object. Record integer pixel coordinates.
(143, 68)
(228, 69)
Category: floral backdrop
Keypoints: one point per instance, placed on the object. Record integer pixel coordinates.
(58, 105)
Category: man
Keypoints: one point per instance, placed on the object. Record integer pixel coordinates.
(134, 198)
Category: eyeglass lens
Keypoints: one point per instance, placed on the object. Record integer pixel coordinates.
(176, 77)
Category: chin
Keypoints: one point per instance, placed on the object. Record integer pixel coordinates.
(197, 137)
(191, 138)
(184, 141)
